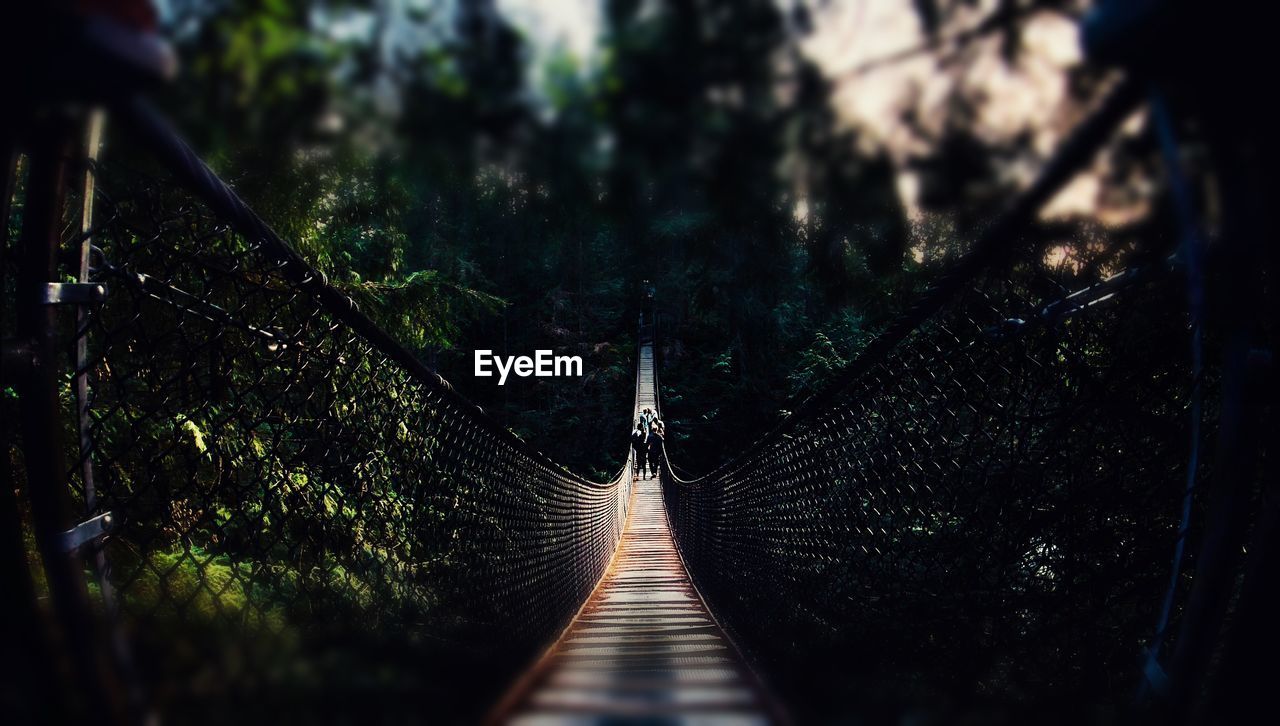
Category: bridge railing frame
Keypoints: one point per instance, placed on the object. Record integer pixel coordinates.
(97, 614)
(719, 534)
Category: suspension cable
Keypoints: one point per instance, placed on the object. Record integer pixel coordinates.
(1192, 252)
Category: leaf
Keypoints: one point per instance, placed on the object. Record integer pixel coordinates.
(197, 436)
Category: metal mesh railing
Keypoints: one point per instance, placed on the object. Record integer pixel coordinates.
(977, 516)
(987, 510)
(305, 522)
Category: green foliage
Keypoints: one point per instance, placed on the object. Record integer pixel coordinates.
(833, 347)
(468, 200)
(423, 309)
(406, 156)
(202, 591)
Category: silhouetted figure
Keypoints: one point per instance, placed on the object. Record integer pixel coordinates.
(657, 437)
(640, 445)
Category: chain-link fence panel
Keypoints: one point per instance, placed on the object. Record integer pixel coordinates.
(305, 525)
(980, 521)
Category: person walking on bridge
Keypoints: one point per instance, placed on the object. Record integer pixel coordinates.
(657, 437)
(640, 445)
(647, 417)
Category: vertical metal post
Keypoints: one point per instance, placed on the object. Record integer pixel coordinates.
(1238, 449)
(121, 654)
(92, 141)
(84, 424)
(41, 408)
(28, 670)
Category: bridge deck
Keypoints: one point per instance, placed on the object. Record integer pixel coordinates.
(644, 650)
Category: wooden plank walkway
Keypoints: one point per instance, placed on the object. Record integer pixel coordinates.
(644, 649)
(646, 391)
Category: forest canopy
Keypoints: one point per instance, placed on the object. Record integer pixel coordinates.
(474, 185)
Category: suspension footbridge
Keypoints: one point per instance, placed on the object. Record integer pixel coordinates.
(243, 499)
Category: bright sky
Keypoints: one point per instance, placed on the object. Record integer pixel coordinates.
(573, 25)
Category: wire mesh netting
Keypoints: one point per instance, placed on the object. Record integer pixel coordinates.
(980, 521)
(303, 520)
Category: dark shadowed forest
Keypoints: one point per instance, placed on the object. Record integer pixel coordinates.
(957, 317)
(470, 193)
